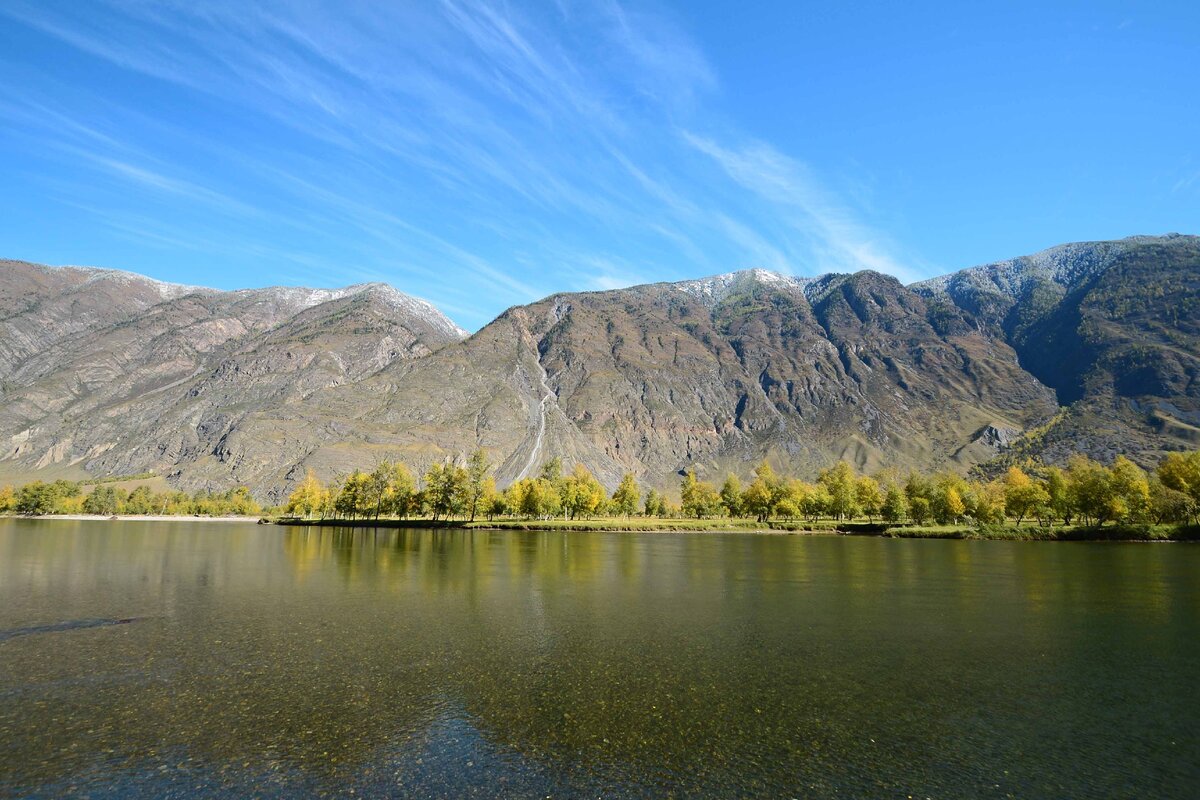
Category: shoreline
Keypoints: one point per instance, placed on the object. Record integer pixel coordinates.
(139, 518)
(1124, 533)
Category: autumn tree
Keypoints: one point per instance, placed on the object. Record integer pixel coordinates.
(307, 497)
(697, 498)
(763, 493)
(491, 502)
(841, 484)
(581, 494)
(946, 504)
(1090, 489)
(1022, 495)
(398, 498)
(816, 502)
(1181, 472)
(446, 487)
(541, 499)
(868, 496)
(625, 498)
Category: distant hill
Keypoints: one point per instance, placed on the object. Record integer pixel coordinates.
(1090, 346)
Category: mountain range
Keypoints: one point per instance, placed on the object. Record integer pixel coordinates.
(1091, 347)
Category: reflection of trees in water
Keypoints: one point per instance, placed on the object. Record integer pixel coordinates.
(662, 661)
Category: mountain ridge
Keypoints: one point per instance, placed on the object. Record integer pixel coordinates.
(255, 386)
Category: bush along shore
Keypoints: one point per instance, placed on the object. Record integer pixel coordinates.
(1084, 500)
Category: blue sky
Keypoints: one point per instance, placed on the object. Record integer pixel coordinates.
(487, 154)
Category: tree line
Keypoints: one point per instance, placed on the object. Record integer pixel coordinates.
(465, 490)
(1083, 492)
(67, 497)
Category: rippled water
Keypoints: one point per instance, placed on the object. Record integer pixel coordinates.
(147, 659)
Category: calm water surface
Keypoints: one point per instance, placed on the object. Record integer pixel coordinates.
(289, 662)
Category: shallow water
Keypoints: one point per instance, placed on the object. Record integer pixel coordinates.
(159, 659)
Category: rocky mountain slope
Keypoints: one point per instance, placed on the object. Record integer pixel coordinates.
(1112, 327)
(115, 374)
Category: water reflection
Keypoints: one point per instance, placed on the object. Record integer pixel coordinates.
(446, 663)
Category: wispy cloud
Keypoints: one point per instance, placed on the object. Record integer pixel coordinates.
(1190, 178)
(841, 241)
(480, 154)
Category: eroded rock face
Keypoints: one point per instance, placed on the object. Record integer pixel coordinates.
(256, 386)
(114, 373)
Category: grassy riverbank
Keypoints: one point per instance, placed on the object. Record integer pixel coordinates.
(1030, 532)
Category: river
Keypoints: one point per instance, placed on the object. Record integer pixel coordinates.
(147, 659)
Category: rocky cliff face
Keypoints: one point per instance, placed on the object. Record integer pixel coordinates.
(113, 373)
(1112, 327)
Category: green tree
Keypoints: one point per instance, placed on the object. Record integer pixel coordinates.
(375, 487)
(917, 485)
(36, 499)
(895, 504)
(656, 506)
(478, 468)
(731, 495)
(1058, 495)
(1170, 505)
(787, 508)
(353, 496)
(333, 493)
(103, 500)
(795, 493)
(919, 509)
(625, 498)
(514, 496)
(687, 490)
(141, 502)
(239, 502)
